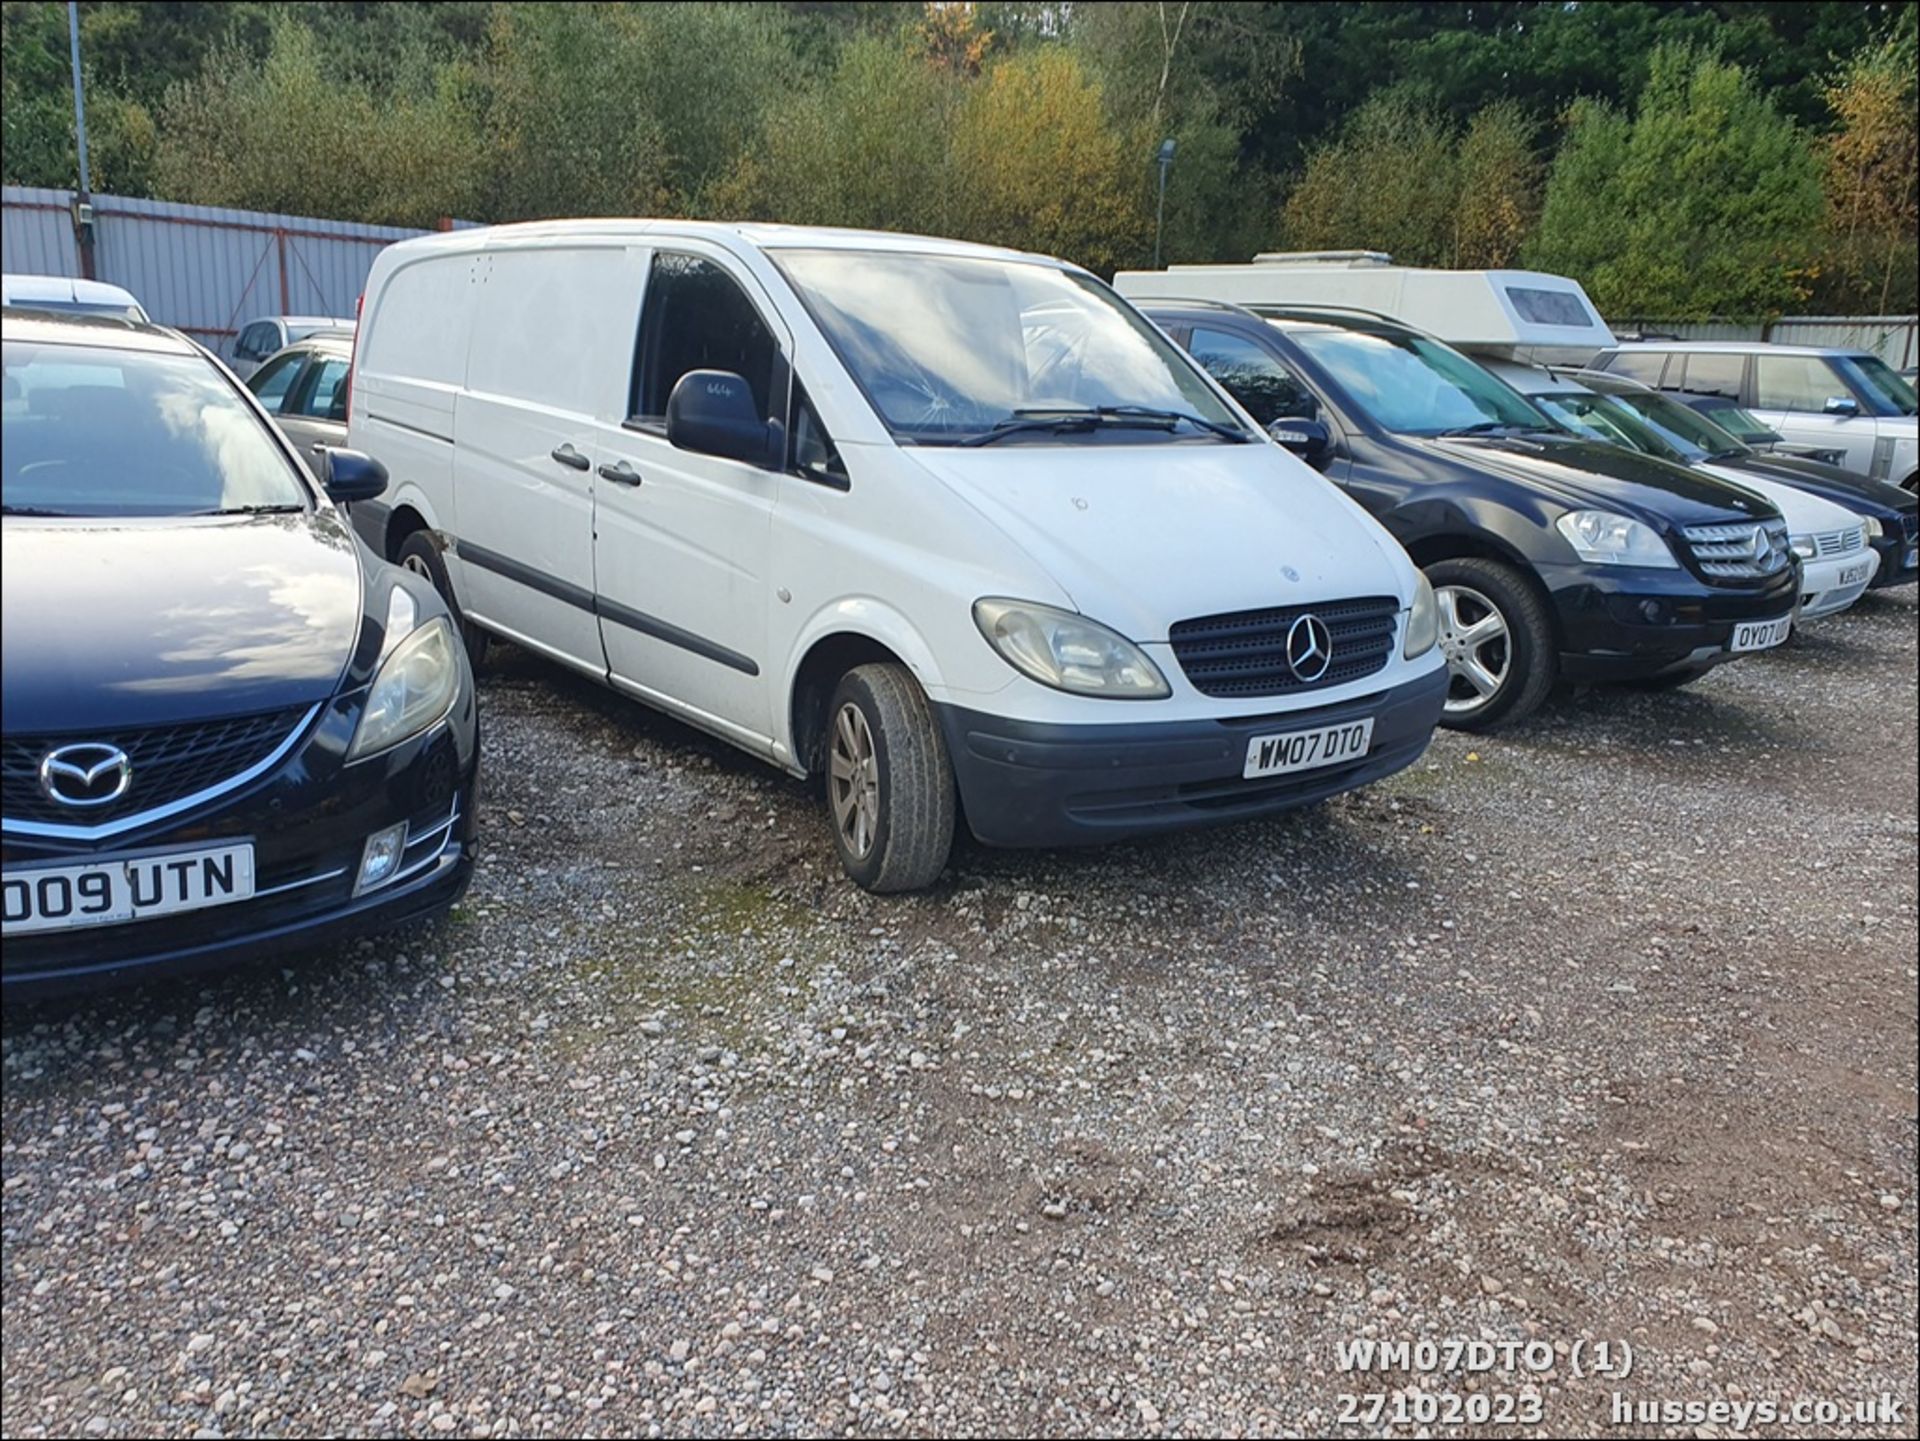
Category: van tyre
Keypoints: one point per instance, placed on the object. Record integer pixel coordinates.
(1498, 640)
(890, 795)
(420, 555)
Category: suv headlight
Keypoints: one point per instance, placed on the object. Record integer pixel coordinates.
(416, 686)
(1065, 650)
(1423, 620)
(1603, 538)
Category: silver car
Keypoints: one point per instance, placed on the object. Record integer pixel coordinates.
(304, 387)
(267, 335)
(1835, 399)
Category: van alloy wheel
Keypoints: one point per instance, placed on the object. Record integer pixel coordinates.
(1479, 650)
(853, 781)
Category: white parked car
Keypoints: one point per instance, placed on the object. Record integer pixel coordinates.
(1841, 400)
(1837, 562)
(268, 335)
(68, 295)
(953, 528)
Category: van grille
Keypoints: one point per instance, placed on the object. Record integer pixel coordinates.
(1839, 542)
(1745, 550)
(1244, 653)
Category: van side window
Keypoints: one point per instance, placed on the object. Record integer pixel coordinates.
(696, 317)
(1265, 388)
(1712, 373)
(813, 449)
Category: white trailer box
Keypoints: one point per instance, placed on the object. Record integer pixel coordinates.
(1519, 313)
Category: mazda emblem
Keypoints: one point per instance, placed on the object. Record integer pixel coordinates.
(90, 773)
(1309, 648)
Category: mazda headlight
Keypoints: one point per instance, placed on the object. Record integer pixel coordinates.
(1603, 538)
(1423, 620)
(1065, 650)
(416, 686)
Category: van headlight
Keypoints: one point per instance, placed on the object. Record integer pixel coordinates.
(1874, 529)
(1065, 650)
(1423, 620)
(1804, 547)
(1603, 538)
(416, 686)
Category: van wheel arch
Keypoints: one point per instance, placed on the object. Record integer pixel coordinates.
(814, 681)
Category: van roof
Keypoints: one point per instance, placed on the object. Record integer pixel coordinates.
(759, 235)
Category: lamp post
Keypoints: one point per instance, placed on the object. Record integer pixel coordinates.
(1165, 160)
(82, 202)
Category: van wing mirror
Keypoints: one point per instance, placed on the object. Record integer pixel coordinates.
(350, 475)
(1307, 438)
(713, 412)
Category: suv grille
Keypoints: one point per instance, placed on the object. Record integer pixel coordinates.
(1245, 653)
(1744, 550)
(1838, 542)
(169, 763)
(1909, 523)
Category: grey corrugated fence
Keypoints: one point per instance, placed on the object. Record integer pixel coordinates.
(1891, 337)
(199, 268)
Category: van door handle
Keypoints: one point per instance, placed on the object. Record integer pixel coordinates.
(620, 473)
(570, 458)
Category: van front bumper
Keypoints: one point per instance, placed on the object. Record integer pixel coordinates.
(1025, 783)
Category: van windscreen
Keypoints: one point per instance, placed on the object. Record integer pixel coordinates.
(955, 349)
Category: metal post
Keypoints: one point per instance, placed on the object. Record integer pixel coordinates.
(1165, 159)
(83, 202)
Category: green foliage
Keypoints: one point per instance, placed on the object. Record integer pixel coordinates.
(1403, 180)
(1706, 202)
(286, 134)
(1711, 157)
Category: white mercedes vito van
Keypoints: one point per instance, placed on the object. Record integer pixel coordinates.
(954, 528)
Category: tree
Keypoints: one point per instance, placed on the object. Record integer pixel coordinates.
(1498, 175)
(1389, 183)
(1707, 202)
(1038, 168)
(285, 133)
(1871, 161)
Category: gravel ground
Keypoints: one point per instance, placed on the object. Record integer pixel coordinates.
(1600, 1031)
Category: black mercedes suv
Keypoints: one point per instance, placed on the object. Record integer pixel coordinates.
(1552, 557)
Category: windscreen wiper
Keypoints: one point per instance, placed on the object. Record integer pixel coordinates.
(34, 510)
(1064, 418)
(1480, 427)
(288, 509)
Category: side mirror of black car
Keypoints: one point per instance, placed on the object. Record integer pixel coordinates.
(713, 412)
(350, 475)
(1843, 405)
(1308, 439)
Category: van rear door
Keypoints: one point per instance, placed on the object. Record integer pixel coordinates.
(552, 340)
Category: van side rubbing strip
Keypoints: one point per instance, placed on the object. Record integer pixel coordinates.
(525, 575)
(673, 635)
(416, 430)
(606, 609)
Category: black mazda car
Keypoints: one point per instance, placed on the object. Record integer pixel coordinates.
(228, 729)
